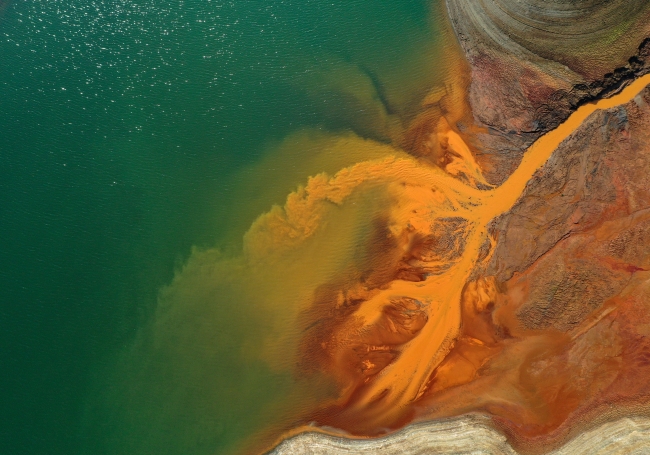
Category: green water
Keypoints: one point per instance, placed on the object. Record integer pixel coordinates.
(131, 131)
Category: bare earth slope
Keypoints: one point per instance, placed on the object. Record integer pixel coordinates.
(534, 61)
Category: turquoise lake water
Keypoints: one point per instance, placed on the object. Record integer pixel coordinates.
(131, 131)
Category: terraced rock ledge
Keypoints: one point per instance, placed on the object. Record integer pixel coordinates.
(471, 435)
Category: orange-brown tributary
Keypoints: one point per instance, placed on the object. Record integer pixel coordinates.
(418, 333)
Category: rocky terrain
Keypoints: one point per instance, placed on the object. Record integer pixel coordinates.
(534, 61)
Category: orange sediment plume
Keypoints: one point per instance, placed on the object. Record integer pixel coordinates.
(394, 340)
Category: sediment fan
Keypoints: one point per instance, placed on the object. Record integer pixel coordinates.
(590, 37)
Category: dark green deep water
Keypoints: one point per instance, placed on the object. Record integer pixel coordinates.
(123, 128)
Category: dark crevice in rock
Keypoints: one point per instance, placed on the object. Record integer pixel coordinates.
(562, 103)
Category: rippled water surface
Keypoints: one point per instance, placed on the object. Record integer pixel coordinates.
(133, 131)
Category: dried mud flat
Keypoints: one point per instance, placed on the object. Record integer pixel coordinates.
(472, 435)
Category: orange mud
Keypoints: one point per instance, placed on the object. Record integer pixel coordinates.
(400, 335)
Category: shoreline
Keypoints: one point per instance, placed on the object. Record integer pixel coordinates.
(469, 434)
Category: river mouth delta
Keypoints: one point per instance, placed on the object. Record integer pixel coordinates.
(325, 228)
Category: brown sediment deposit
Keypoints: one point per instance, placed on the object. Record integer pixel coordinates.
(523, 301)
(568, 286)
